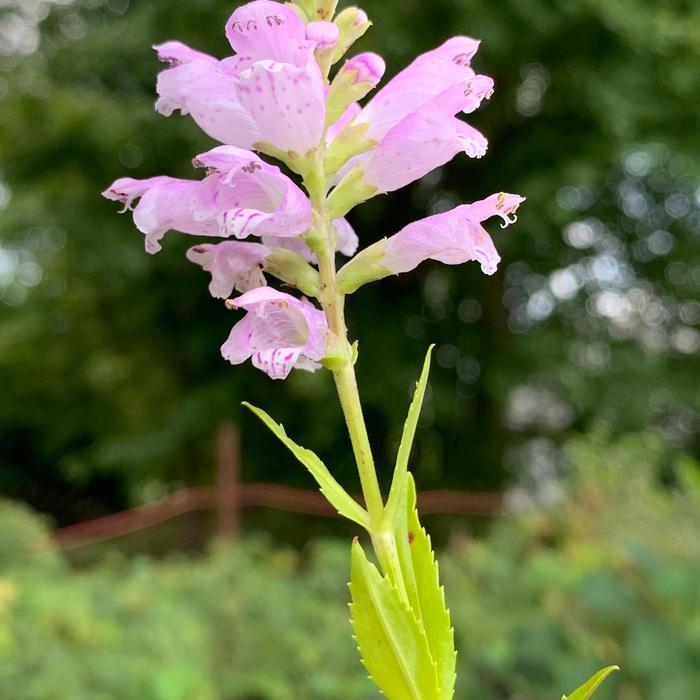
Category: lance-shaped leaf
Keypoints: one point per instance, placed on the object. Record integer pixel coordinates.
(392, 643)
(587, 689)
(409, 432)
(422, 580)
(336, 495)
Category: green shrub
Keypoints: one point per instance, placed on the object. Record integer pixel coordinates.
(609, 575)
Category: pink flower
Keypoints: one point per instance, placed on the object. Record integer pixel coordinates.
(165, 204)
(413, 117)
(241, 196)
(268, 31)
(323, 34)
(453, 237)
(204, 87)
(232, 264)
(271, 91)
(426, 77)
(279, 332)
(419, 143)
(249, 196)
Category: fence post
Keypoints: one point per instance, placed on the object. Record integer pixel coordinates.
(228, 476)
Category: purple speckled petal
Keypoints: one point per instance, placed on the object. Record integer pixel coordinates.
(258, 198)
(265, 30)
(232, 264)
(286, 102)
(279, 331)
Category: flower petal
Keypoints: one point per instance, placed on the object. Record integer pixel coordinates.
(283, 332)
(453, 237)
(232, 264)
(166, 204)
(265, 30)
(346, 238)
(286, 102)
(277, 363)
(252, 196)
(200, 85)
(423, 141)
(430, 74)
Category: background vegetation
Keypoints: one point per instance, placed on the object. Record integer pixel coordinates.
(609, 574)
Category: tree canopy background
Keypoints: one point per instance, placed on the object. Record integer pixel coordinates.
(112, 382)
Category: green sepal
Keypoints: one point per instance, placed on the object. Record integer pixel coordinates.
(393, 645)
(300, 164)
(350, 192)
(336, 495)
(352, 23)
(344, 90)
(588, 688)
(350, 142)
(294, 270)
(366, 266)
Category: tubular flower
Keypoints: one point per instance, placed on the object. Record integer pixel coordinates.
(279, 333)
(453, 237)
(232, 264)
(249, 196)
(272, 91)
(165, 203)
(413, 121)
(241, 196)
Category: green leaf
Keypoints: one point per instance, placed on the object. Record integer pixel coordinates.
(587, 689)
(337, 496)
(427, 597)
(393, 645)
(409, 432)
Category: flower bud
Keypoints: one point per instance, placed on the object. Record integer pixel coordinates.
(353, 81)
(352, 23)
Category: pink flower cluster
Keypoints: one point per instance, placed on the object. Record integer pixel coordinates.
(272, 96)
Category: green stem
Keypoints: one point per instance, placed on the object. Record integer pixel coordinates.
(333, 303)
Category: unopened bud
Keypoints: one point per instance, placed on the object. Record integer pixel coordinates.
(352, 82)
(352, 23)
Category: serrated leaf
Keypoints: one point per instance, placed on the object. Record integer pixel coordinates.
(337, 496)
(587, 689)
(409, 432)
(393, 645)
(427, 596)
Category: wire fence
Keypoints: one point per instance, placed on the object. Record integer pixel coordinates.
(230, 496)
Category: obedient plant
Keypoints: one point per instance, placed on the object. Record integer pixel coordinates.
(278, 95)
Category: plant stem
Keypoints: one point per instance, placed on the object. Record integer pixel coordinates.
(333, 303)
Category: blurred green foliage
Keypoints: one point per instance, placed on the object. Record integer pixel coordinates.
(609, 574)
(111, 378)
